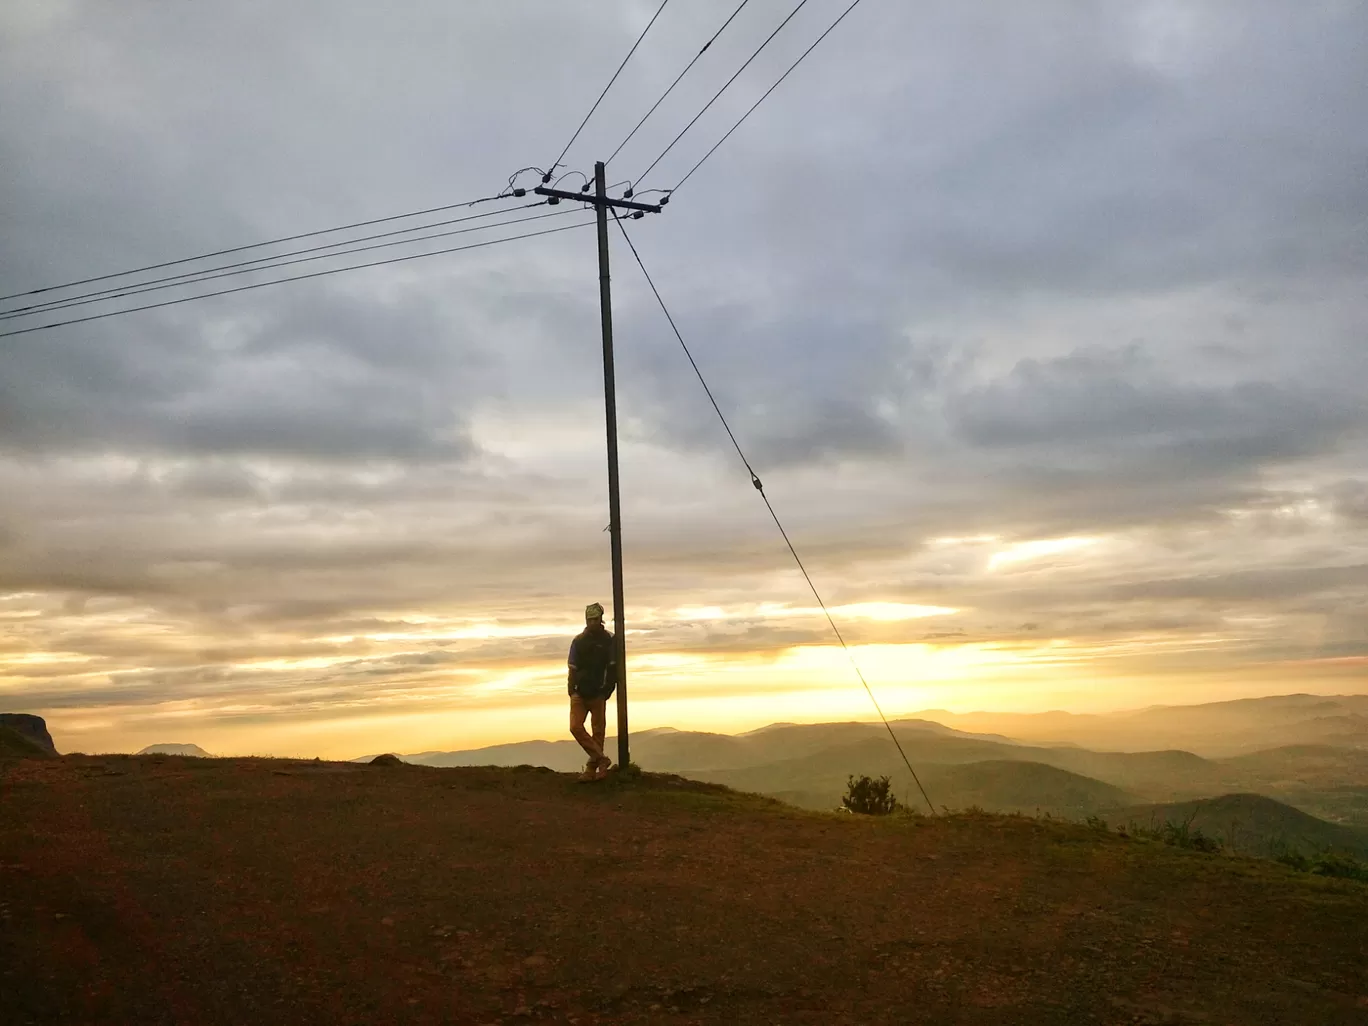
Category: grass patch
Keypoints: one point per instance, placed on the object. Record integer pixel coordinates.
(1331, 864)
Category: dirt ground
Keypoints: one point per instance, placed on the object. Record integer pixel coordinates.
(171, 890)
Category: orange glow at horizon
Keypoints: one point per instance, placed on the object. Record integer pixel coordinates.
(722, 693)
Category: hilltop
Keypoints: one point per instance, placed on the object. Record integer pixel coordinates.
(140, 889)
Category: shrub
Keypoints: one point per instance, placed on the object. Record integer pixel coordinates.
(868, 796)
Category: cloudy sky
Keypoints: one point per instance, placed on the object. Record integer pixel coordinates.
(1045, 325)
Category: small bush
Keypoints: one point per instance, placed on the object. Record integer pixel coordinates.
(869, 797)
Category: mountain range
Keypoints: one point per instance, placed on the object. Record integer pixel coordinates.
(1214, 729)
(1310, 793)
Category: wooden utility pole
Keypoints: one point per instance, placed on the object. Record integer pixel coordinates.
(602, 202)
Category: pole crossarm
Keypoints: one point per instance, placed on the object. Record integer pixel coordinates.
(556, 195)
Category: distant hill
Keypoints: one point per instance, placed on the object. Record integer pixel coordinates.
(951, 774)
(1029, 787)
(176, 749)
(807, 764)
(1301, 766)
(1212, 729)
(1252, 824)
(1327, 781)
(672, 751)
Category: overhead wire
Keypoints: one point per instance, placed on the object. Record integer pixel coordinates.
(706, 106)
(254, 245)
(513, 179)
(676, 82)
(133, 288)
(759, 487)
(292, 278)
(552, 169)
(136, 291)
(766, 94)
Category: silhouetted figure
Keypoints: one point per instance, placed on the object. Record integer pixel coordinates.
(592, 678)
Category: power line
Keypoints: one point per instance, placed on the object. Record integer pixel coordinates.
(134, 287)
(297, 277)
(767, 92)
(755, 481)
(254, 245)
(552, 169)
(206, 277)
(724, 88)
(678, 77)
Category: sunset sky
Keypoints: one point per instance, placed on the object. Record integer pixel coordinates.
(1045, 325)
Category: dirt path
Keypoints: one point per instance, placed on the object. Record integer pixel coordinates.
(159, 890)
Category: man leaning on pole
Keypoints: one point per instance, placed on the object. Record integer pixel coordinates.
(592, 678)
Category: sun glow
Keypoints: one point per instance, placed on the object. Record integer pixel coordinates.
(1027, 551)
(886, 612)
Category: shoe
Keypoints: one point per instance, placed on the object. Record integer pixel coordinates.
(605, 764)
(590, 770)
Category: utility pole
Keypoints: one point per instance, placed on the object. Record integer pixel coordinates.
(602, 202)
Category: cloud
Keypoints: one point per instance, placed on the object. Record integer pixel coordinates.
(1027, 274)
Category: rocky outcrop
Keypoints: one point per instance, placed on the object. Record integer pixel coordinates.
(28, 728)
(387, 760)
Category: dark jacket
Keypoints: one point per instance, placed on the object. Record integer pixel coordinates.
(593, 664)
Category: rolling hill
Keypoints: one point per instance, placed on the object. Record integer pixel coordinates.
(1252, 824)
(1300, 766)
(1028, 787)
(817, 781)
(672, 751)
(1326, 781)
(807, 765)
(1155, 774)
